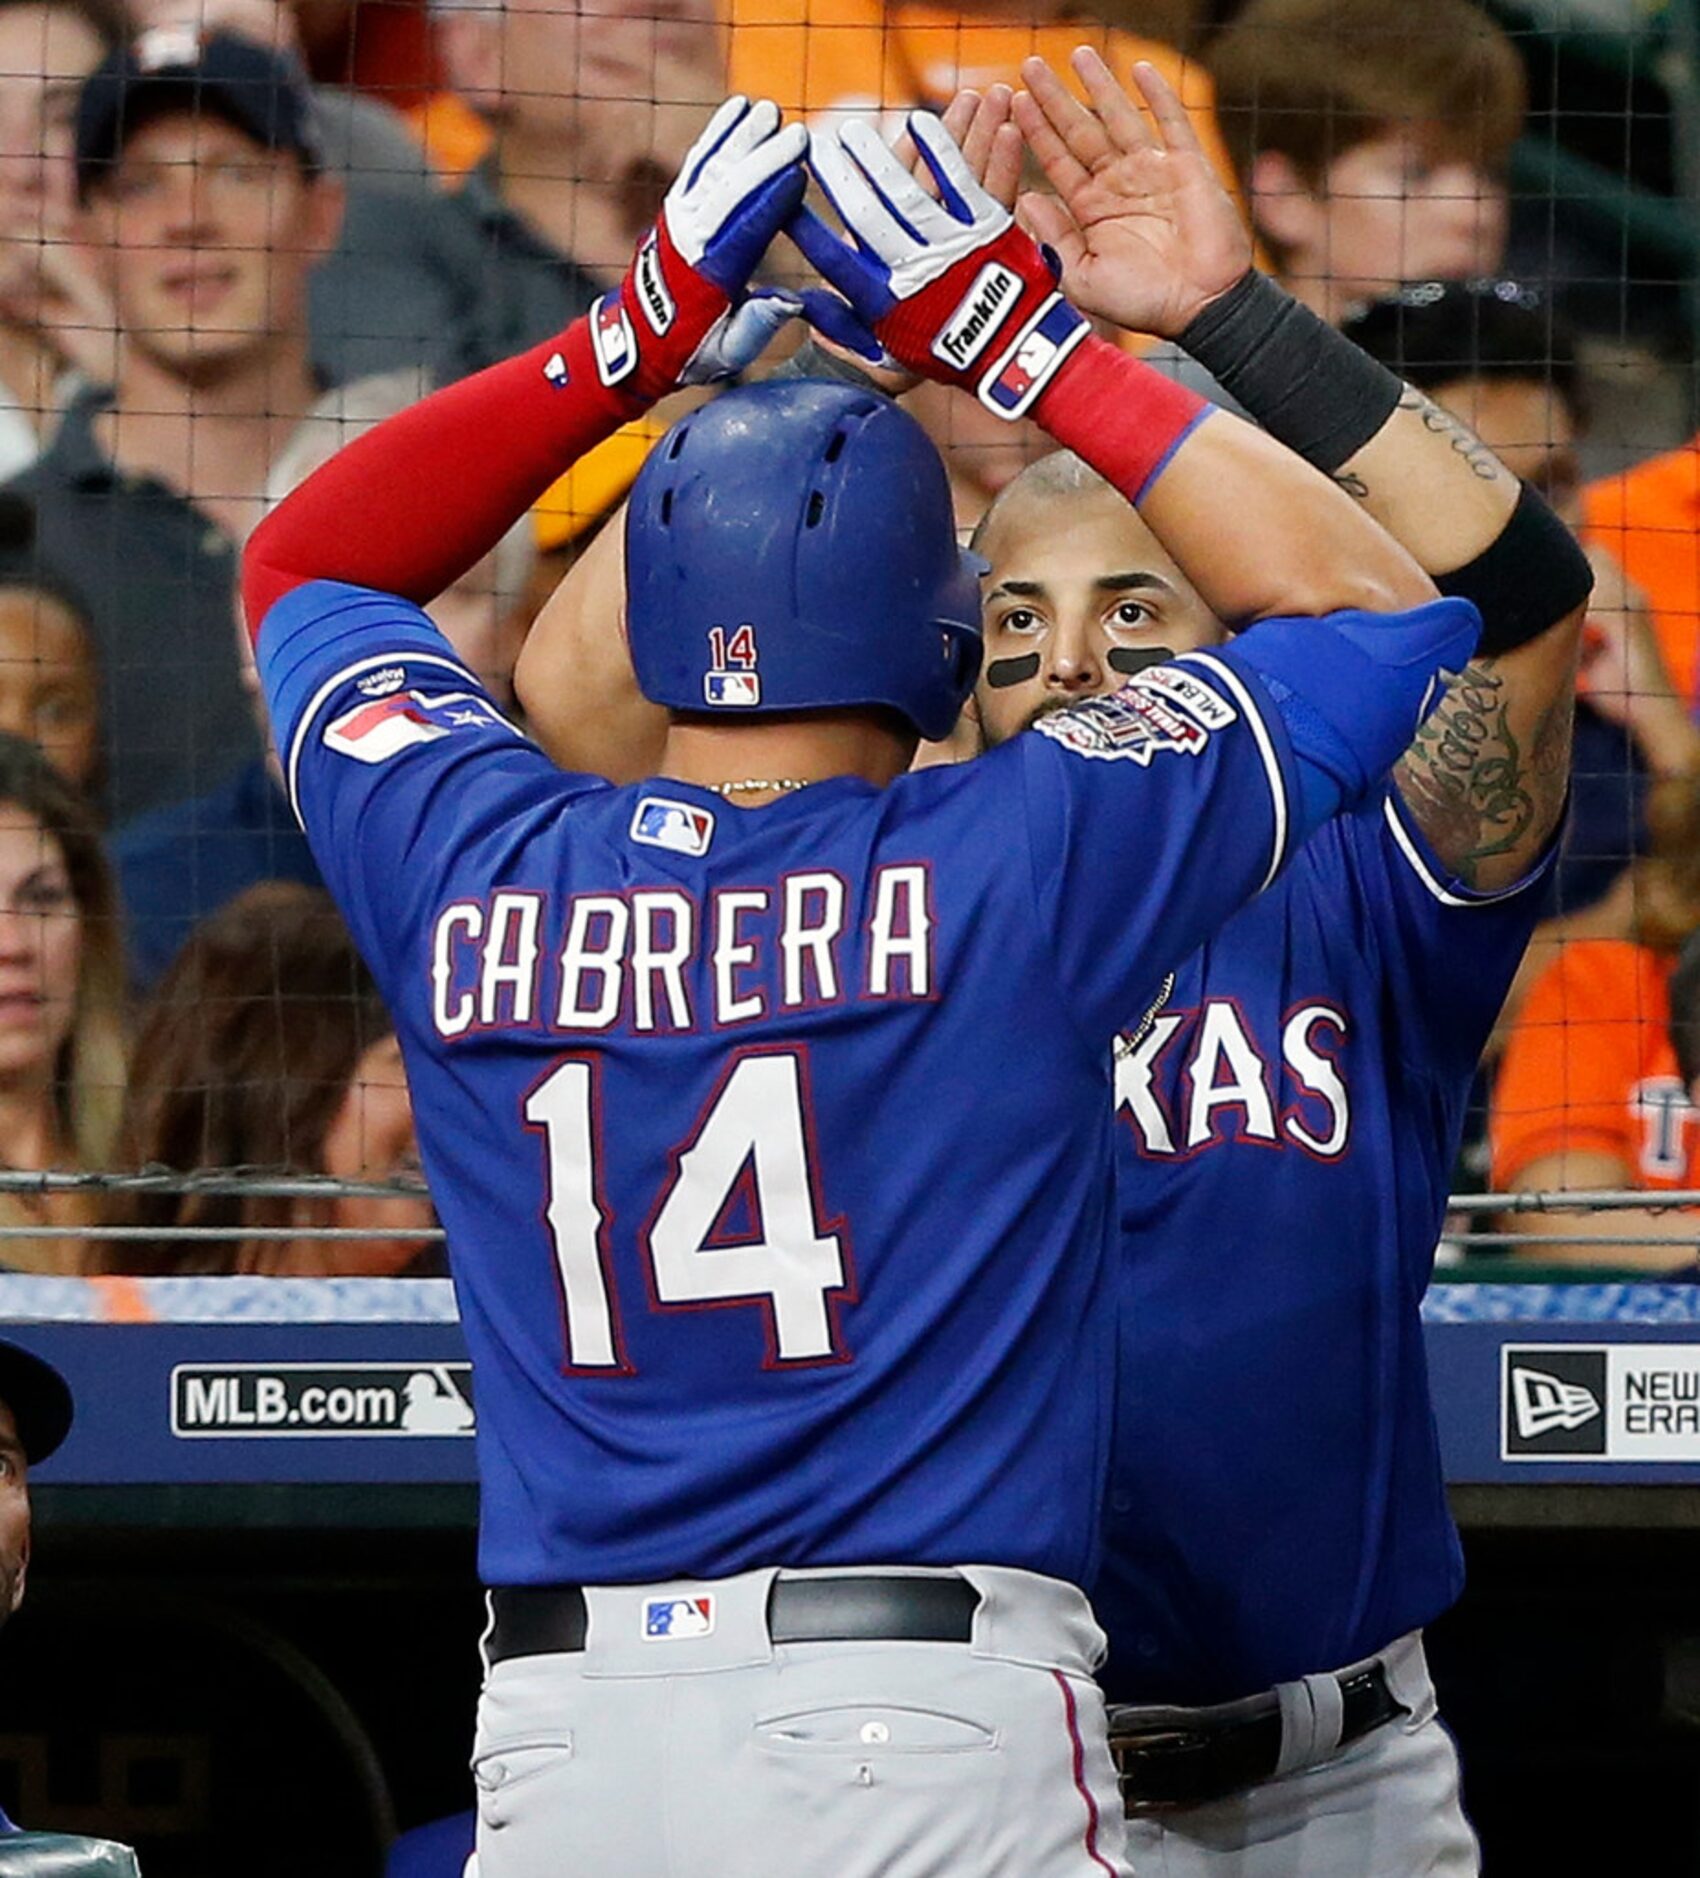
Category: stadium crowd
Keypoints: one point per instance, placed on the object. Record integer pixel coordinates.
(215, 270)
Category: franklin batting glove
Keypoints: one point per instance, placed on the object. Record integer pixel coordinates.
(950, 288)
(666, 323)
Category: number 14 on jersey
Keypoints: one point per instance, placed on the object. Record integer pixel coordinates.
(751, 1147)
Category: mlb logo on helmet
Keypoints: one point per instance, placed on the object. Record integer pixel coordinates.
(1030, 364)
(679, 826)
(668, 1620)
(612, 340)
(734, 688)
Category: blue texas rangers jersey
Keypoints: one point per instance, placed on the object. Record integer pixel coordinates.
(774, 1147)
(1287, 1126)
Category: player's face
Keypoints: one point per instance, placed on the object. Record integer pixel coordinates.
(45, 54)
(1074, 601)
(206, 240)
(41, 945)
(1528, 427)
(47, 684)
(1391, 209)
(371, 1138)
(14, 1515)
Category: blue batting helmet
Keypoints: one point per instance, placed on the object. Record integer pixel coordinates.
(791, 547)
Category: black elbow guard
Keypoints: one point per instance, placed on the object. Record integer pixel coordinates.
(1532, 575)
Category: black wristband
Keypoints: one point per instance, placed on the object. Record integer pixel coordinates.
(814, 361)
(1306, 384)
(1528, 578)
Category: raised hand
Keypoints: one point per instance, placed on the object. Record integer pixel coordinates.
(666, 324)
(1146, 232)
(944, 280)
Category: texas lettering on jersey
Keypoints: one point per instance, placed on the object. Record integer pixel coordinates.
(1191, 1078)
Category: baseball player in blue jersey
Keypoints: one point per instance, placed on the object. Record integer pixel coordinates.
(766, 1103)
(1288, 1116)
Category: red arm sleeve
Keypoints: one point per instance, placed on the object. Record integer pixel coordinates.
(414, 503)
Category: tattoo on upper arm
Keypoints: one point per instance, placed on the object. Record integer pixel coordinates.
(1476, 793)
(1464, 441)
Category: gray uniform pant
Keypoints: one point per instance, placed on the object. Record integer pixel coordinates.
(1388, 1806)
(722, 1755)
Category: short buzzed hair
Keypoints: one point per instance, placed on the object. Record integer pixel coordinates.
(1312, 79)
(1062, 473)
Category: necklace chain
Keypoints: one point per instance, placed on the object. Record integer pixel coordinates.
(750, 786)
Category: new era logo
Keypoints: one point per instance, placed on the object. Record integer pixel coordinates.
(667, 1620)
(982, 310)
(1555, 1401)
(679, 826)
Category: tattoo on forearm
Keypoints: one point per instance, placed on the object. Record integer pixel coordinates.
(1473, 790)
(1464, 441)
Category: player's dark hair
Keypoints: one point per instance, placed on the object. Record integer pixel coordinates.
(244, 1054)
(1435, 333)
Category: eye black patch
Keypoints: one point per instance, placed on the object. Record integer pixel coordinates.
(1127, 660)
(1003, 672)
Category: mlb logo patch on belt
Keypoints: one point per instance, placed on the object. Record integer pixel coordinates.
(669, 1620)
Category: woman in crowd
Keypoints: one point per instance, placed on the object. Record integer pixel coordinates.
(61, 1003)
(49, 679)
(266, 1047)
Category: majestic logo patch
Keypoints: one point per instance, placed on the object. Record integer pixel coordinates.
(668, 1620)
(555, 370)
(653, 297)
(612, 340)
(1029, 365)
(679, 826)
(1140, 720)
(373, 733)
(381, 683)
(975, 323)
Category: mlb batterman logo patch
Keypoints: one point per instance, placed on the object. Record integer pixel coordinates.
(1015, 382)
(670, 1620)
(612, 340)
(679, 826)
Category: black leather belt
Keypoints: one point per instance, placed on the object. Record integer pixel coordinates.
(541, 1620)
(1175, 1757)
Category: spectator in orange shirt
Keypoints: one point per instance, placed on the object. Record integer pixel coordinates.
(1649, 517)
(1589, 1093)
